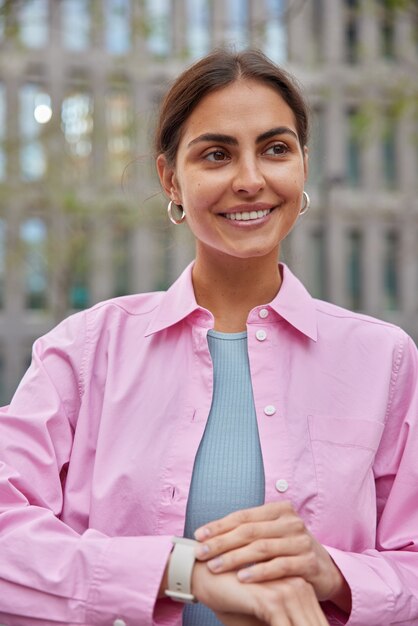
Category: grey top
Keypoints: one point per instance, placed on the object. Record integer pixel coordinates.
(228, 473)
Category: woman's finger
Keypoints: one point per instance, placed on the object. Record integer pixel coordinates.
(261, 550)
(301, 565)
(266, 512)
(320, 572)
(286, 525)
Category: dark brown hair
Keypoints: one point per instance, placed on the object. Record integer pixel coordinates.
(216, 70)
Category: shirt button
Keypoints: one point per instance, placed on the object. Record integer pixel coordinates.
(119, 622)
(270, 409)
(263, 313)
(282, 485)
(261, 335)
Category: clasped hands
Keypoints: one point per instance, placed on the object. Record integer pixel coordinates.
(262, 566)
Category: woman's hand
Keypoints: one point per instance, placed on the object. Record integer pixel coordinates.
(287, 602)
(271, 542)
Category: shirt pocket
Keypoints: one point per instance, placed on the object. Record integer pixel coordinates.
(343, 451)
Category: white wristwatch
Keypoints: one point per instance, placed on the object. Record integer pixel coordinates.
(180, 570)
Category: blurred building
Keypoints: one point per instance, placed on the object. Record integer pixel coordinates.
(81, 214)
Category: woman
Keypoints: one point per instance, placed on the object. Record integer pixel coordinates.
(234, 397)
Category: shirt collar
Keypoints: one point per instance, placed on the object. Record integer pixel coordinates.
(177, 303)
(293, 303)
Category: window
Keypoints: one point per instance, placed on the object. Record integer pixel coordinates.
(33, 23)
(157, 26)
(121, 260)
(236, 31)
(353, 147)
(2, 260)
(79, 293)
(33, 234)
(198, 27)
(317, 147)
(76, 24)
(389, 152)
(3, 19)
(33, 161)
(354, 270)
(352, 31)
(275, 45)
(387, 28)
(119, 131)
(118, 26)
(318, 28)
(2, 132)
(79, 288)
(77, 125)
(317, 264)
(391, 270)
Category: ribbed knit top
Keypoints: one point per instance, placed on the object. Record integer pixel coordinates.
(228, 473)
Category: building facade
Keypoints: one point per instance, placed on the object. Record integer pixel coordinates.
(82, 217)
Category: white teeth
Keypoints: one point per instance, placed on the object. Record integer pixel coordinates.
(245, 216)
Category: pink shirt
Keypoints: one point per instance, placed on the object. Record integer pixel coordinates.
(98, 444)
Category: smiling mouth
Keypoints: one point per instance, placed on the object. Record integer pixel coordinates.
(246, 216)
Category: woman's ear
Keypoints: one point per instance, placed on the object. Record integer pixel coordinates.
(168, 179)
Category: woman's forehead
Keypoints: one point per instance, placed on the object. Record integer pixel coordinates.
(241, 106)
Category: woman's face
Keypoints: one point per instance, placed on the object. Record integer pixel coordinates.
(239, 171)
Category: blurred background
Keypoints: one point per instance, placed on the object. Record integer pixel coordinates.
(82, 217)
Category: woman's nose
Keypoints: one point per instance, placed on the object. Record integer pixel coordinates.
(248, 177)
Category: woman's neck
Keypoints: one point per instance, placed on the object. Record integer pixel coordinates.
(230, 287)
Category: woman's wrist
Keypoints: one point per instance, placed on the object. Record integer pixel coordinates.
(221, 592)
(341, 595)
(199, 575)
(164, 580)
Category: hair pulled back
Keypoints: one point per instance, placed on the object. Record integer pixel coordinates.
(214, 71)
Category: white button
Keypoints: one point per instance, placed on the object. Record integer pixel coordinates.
(261, 335)
(282, 485)
(119, 622)
(270, 409)
(263, 313)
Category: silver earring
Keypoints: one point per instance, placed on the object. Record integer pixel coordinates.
(170, 213)
(305, 204)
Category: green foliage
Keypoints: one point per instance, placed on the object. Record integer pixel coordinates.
(399, 5)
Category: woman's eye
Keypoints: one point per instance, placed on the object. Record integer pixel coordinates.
(277, 149)
(216, 155)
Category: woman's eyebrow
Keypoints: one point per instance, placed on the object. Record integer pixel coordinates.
(279, 130)
(215, 137)
(232, 141)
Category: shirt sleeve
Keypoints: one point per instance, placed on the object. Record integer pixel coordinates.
(384, 580)
(49, 573)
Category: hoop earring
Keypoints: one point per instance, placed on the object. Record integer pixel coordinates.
(170, 214)
(306, 204)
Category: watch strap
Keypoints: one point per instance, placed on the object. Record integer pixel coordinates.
(180, 570)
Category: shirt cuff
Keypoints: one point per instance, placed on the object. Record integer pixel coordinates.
(127, 580)
(371, 602)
